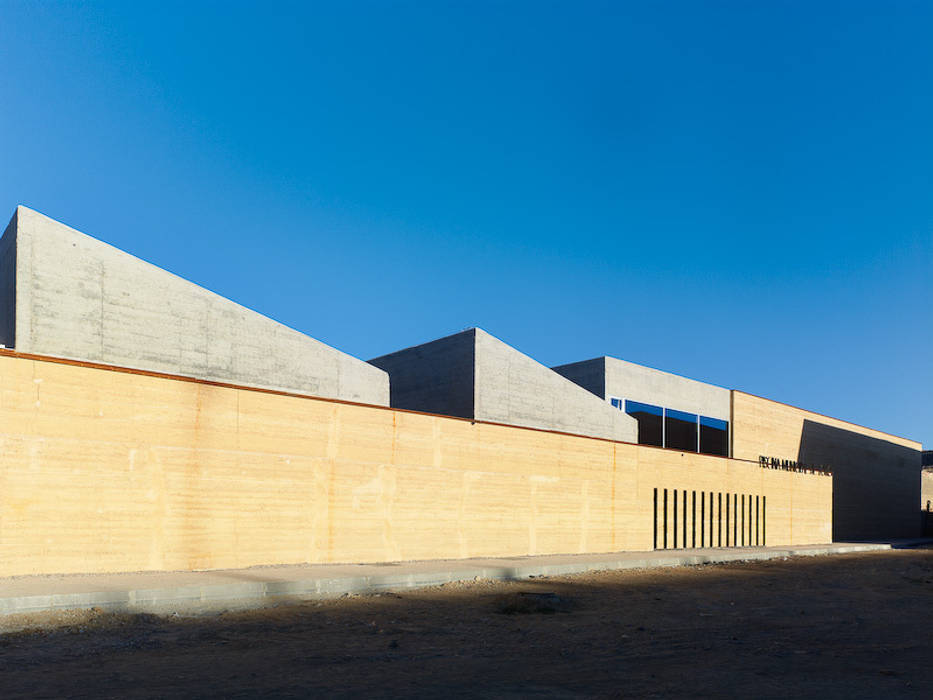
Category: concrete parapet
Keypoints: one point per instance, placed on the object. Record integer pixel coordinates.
(610, 377)
(65, 294)
(475, 375)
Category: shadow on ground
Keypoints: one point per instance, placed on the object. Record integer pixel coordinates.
(857, 625)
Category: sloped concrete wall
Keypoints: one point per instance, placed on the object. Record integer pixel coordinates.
(472, 374)
(607, 377)
(590, 374)
(631, 381)
(8, 284)
(79, 298)
(434, 377)
(513, 388)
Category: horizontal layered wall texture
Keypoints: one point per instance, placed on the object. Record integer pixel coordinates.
(876, 476)
(65, 294)
(104, 470)
(475, 375)
(609, 377)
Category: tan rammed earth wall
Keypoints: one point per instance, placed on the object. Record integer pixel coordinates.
(876, 476)
(103, 470)
(926, 490)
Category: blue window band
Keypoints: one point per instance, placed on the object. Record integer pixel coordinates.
(681, 415)
(635, 407)
(714, 423)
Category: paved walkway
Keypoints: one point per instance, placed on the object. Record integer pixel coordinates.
(205, 590)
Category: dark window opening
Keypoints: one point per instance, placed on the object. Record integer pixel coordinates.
(680, 430)
(650, 422)
(714, 436)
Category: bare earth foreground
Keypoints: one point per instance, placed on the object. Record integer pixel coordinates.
(852, 625)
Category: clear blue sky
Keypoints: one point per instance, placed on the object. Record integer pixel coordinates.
(739, 192)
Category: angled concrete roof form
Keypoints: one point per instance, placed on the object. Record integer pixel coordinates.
(611, 377)
(66, 294)
(473, 374)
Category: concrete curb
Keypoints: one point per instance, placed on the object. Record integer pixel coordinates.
(259, 593)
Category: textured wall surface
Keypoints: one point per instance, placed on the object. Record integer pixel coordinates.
(435, 377)
(590, 374)
(80, 298)
(112, 471)
(8, 284)
(513, 388)
(610, 377)
(472, 374)
(926, 490)
(876, 476)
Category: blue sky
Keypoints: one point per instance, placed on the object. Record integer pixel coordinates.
(738, 192)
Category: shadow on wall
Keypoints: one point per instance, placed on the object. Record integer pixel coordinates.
(876, 483)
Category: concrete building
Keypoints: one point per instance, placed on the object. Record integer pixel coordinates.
(875, 478)
(671, 411)
(65, 294)
(120, 452)
(475, 375)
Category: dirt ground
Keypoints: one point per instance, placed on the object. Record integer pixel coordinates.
(843, 626)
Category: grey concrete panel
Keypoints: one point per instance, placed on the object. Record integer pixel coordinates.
(435, 377)
(590, 374)
(627, 380)
(80, 298)
(513, 388)
(475, 375)
(8, 285)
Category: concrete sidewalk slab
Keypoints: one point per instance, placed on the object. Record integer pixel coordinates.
(202, 591)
